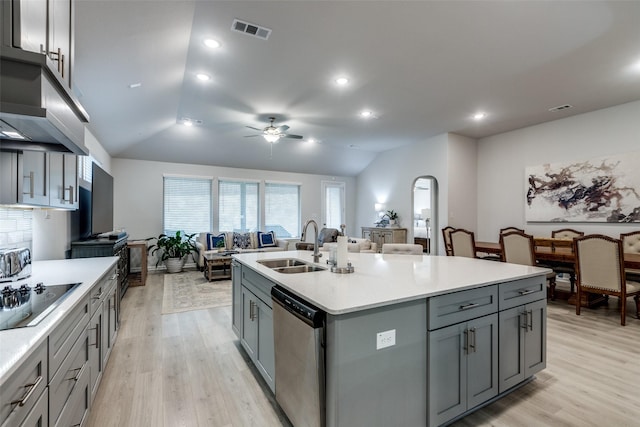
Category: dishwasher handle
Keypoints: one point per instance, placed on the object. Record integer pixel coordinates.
(302, 309)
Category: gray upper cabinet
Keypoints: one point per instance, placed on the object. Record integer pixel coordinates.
(29, 24)
(61, 36)
(24, 178)
(63, 180)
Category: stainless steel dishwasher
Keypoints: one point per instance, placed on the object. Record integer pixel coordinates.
(298, 329)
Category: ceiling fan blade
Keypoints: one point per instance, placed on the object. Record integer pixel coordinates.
(288, 135)
(251, 127)
(251, 136)
(283, 128)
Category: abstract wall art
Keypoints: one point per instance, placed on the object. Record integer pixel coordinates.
(605, 189)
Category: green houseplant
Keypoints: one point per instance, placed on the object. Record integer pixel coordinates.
(393, 216)
(173, 250)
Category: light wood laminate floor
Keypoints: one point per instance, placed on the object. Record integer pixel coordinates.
(188, 369)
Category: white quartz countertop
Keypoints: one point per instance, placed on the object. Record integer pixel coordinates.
(17, 344)
(381, 280)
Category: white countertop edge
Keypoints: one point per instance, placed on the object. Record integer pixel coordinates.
(373, 291)
(16, 345)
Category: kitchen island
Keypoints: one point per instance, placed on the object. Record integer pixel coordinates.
(408, 339)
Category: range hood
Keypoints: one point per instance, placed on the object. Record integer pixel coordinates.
(37, 111)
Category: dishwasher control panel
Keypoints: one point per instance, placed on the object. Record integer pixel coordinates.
(304, 310)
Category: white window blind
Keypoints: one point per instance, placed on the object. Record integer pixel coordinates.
(333, 204)
(282, 209)
(187, 205)
(85, 171)
(238, 206)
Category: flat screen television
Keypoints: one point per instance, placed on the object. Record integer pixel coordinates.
(96, 204)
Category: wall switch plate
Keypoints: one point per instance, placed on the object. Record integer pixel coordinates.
(385, 339)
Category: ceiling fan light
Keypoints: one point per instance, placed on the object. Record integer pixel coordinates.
(213, 44)
(271, 138)
(203, 77)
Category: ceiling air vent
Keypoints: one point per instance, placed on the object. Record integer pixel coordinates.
(251, 29)
(560, 108)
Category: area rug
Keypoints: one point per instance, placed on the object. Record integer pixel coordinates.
(189, 290)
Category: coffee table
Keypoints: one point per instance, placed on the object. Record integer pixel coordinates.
(217, 266)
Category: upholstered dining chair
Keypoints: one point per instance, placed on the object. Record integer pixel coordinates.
(600, 270)
(508, 229)
(463, 243)
(518, 248)
(446, 236)
(566, 233)
(402, 248)
(631, 244)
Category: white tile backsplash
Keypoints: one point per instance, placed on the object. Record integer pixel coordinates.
(16, 227)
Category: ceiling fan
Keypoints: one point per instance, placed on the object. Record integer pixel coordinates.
(272, 133)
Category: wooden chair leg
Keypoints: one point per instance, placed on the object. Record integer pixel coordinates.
(552, 288)
(572, 281)
(578, 296)
(623, 311)
(637, 300)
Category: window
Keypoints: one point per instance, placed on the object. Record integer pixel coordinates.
(187, 204)
(84, 167)
(282, 209)
(333, 204)
(238, 206)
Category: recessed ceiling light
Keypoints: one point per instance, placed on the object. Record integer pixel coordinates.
(342, 81)
(479, 116)
(203, 77)
(366, 114)
(213, 44)
(187, 122)
(135, 85)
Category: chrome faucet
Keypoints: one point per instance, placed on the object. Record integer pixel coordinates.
(316, 254)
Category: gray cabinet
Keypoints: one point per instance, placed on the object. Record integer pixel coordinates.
(109, 320)
(63, 180)
(522, 343)
(24, 178)
(255, 324)
(61, 37)
(95, 359)
(236, 308)
(380, 235)
(29, 24)
(463, 367)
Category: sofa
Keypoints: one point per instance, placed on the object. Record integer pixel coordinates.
(354, 245)
(254, 241)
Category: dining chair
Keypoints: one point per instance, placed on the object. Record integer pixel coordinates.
(508, 229)
(631, 244)
(446, 236)
(600, 270)
(566, 233)
(518, 248)
(402, 248)
(463, 243)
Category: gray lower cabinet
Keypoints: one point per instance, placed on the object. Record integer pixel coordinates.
(522, 343)
(463, 367)
(95, 359)
(253, 316)
(236, 308)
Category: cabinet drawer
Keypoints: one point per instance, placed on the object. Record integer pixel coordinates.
(258, 284)
(76, 410)
(68, 376)
(24, 387)
(523, 291)
(461, 306)
(66, 334)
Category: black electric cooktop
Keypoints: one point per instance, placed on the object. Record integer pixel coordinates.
(26, 305)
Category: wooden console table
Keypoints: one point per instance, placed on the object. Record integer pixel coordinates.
(382, 235)
(139, 278)
(217, 266)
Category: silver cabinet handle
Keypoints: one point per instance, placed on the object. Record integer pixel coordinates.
(32, 387)
(468, 306)
(530, 319)
(70, 190)
(97, 329)
(77, 376)
(466, 341)
(527, 292)
(473, 335)
(31, 185)
(523, 325)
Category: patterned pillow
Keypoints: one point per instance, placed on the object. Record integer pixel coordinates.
(242, 240)
(266, 240)
(215, 240)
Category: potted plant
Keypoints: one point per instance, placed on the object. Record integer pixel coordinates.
(393, 216)
(173, 250)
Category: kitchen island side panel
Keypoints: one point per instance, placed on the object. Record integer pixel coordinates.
(382, 387)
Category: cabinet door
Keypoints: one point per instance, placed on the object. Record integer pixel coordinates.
(447, 374)
(535, 343)
(236, 307)
(29, 24)
(60, 32)
(512, 330)
(95, 358)
(482, 360)
(366, 234)
(109, 323)
(35, 189)
(249, 338)
(63, 180)
(266, 355)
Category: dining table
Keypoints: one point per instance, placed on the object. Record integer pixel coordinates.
(559, 253)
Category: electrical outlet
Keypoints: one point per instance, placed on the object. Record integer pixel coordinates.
(385, 339)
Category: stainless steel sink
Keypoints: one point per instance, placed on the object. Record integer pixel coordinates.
(299, 269)
(290, 265)
(281, 262)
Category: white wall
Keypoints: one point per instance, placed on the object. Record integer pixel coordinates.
(462, 172)
(502, 160)
(138, 192)
(389, 178)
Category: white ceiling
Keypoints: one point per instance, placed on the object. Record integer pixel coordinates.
(423, 67)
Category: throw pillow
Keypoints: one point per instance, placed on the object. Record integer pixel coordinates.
(266, 240)
(241, 240)
(215, 240)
